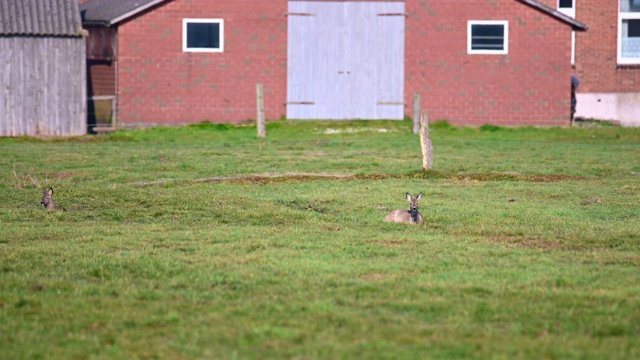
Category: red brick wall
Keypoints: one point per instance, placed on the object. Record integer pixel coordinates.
(553, 3)
(530, 85)
(159, 83)
(597, 50)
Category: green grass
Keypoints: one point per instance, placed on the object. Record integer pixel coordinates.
(206, 242)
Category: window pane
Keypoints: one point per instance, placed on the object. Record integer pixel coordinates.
(629, 5)
(630, 38)
(633, 28)
(203, 35)
(565, 4)
(487, 37)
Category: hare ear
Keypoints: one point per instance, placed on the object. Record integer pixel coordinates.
(408, 197)
(50, 192)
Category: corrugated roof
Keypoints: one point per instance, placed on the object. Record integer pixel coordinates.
(109, 12)
(40, 17)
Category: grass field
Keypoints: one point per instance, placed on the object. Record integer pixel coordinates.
(206, 242)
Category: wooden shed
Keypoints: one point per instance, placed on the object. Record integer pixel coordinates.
(42, 68)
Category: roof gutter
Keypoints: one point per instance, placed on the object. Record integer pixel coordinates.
(96, 23)
(575, 24)
(134, 12)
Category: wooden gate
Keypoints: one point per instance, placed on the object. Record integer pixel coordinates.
(345, 60)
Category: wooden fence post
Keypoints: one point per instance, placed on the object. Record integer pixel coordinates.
(416, 113)
(262, 132)
(425, 142)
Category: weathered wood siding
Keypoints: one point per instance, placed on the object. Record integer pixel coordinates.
(345, 60)
(43, 82)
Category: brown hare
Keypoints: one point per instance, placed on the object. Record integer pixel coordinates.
(47, 201)
(411, 216)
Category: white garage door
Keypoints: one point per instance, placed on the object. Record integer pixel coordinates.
(345, 60)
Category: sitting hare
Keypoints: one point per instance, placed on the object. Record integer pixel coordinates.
(411, 216)
(47, 201)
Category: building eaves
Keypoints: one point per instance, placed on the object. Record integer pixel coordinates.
(575, 24)
(112, 12)
(40, 17)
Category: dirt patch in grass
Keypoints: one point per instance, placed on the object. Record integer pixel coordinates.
(305, 177)
(591, 201)
(392, 243)
(495, 176)
(528, 242)
(372, 277)
(270, 178)
(303, 206)
(275, 178)
(61, 175)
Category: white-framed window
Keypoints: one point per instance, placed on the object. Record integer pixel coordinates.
(629, 32)
(568, 7)
(487, 37)
(202, 35)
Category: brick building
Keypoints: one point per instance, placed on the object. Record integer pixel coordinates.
(606, 58)
(503, 62)
(607, 61)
